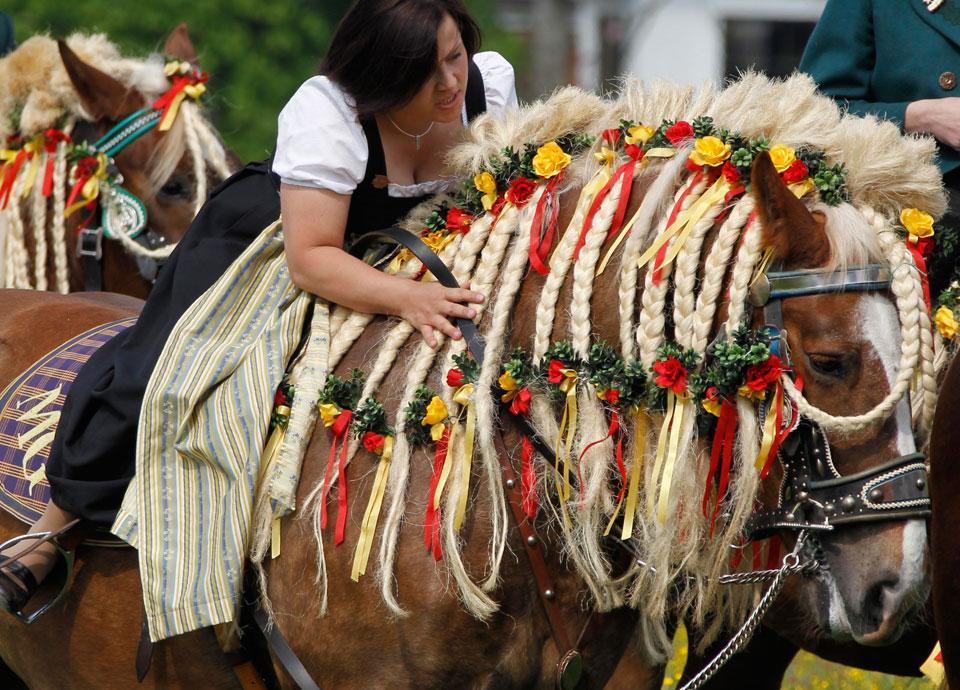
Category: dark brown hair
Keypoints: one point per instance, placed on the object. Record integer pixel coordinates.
(383, 51)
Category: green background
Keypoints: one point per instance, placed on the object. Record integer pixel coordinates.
(257, 53)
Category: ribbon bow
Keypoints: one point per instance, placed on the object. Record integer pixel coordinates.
(187, 81)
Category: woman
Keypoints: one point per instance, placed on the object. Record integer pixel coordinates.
(359, 145)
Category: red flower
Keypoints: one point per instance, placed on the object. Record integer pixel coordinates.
(732, 174)
(611, 136)
(86, 167)
(612, 396)
(454, 378)
(372, 441)
(670, 374)
(679, 132)
(498, 206)
(634, 151)
(760, 376)
(458, 221)
(555, 371)
(521, 189)
(797, 172)
(279, 399)
(520, 405)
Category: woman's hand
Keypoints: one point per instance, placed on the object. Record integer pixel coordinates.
(937, 116)
(429, 306)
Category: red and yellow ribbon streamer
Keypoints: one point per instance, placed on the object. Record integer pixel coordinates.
(52, 138)
(368, 526)
(544, 227)
(90, 173)
(431, 526)
(339, 425)
(721, 458)
(186, 82)
(668, 446)
(464, 397)
(565, 435)
(624, 176)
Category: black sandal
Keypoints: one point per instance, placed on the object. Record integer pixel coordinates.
(18, 594)
(17, 590)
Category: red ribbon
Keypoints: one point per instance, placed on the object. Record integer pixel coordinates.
(782, 433)
(528, 480)
(624, 174)
(721, 456)
(339, 430)
(51, 139)
(431, 526)
(773, 552)
(541, 238)
(614, 428)
(662, 254)
(919, 250)
(11, 175)
(179, 83)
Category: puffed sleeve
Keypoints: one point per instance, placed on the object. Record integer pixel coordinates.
(499, 82)
(320, 142)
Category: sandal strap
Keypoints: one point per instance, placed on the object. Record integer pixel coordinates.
(22, 573)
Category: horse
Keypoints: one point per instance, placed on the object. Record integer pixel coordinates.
(56, 100)
(472, 615)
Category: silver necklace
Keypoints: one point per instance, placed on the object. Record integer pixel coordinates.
(415, 137)
(933, 5)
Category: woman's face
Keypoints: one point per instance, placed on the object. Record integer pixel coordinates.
(440, 99)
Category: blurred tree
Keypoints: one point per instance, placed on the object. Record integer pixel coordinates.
(256, 52)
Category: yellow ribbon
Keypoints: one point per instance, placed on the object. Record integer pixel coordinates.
(685, 222)
(91, 188)
(769, 428)
(676, 430)
(633, 482)
(662, 152)
(269, 452)
(368, 526)
(933, 669)
(33, 148)
(464, 396)
(624, 231)
(194, 91)
(762, 265)
(445, 472)
(275, 538)
(569, 424)
(661, 453)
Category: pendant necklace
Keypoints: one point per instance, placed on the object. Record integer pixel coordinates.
(933, 5)
(415, 137)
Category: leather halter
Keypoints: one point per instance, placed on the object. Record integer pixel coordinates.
(814, 495)
(90, 238)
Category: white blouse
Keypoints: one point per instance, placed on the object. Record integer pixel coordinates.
(321, 144)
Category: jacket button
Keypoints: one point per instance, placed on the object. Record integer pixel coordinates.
(948, 81)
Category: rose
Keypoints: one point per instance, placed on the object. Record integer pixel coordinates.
(611, 136)
(761, 376)
(329, 413)
(731, 173)
(550, 160)
(487, 186)
(679, 132)
(458, 220)
(373, 442)
(797, 172)
(85, 167)
(640, 134)
(521, 402)
(918, 223)
(436, 412)
(521, 189)
(454, 378)
(437, 240)
(611, 395)
(946, 322)
(555, 371)
(782, 157)
(711, 151)
(711, 401)
(634, 151)
(670, 374)
(279, 400)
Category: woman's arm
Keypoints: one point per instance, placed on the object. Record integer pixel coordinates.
(314, 221)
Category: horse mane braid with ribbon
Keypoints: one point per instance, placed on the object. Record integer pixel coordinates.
(48, 175)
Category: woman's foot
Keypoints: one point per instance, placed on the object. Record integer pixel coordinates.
(21, 576)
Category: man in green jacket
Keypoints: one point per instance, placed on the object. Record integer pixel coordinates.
(899, 60)
(7, 41)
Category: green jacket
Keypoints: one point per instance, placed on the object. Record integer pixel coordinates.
(7, 42)
(877, 56)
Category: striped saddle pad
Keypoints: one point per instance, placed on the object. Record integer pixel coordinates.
(29, 414)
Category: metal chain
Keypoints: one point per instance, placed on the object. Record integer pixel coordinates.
(791, 565)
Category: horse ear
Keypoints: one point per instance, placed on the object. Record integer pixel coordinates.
(797, 236)
(179, 45)
(104, 97)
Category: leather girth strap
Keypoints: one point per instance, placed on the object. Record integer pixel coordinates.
(570, 665)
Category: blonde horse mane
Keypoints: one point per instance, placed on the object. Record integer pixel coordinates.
(36, 94)
(886, 172)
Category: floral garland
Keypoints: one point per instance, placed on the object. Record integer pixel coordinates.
(428, 420)
(21, 151)
(338, 399)
(370, 426)
(518, 374)
(444, 224)
(462, 378)
(947, 317)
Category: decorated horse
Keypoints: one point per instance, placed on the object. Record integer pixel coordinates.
(107, 160)
(702, 330)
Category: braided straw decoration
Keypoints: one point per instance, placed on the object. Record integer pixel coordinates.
(747, 257)
(909, 297)
(58, 234)
(38, 219)
(210, 143)
(196, 155)
(16, 250)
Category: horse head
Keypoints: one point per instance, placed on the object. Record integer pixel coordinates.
(848, 349)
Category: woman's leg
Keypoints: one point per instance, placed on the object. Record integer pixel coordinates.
(39, 561)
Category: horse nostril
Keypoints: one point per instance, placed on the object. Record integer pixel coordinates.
(873, 611)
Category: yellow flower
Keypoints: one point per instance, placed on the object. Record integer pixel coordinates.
(710, 151)
(639, 134)
(918, 223)
(782, 156)
(329, 413)
(486, 185)
(436, 412)
(750, 394)
(712, 405)
(946, 322)
(437, 240)
(801, 189)
(509, 386)
(550, 160)
(606, 155)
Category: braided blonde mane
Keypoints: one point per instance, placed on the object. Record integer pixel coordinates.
(36, 94)
(887, 172)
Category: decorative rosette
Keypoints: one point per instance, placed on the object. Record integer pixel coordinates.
(186, 81)
(947, 317)
(338, 400)
(428, 420)
(25, 154)
(919, 235)
(370, 426)
(518, 374)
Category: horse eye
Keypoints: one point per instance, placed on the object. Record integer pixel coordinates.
(832, 366)
(175, 188)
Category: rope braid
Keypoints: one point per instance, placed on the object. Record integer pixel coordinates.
(38, 219)
(908, 292)
(58, 229)
(210, 144)
(196, 155)
(17, 259)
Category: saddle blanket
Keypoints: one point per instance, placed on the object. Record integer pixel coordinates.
(30, 410)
